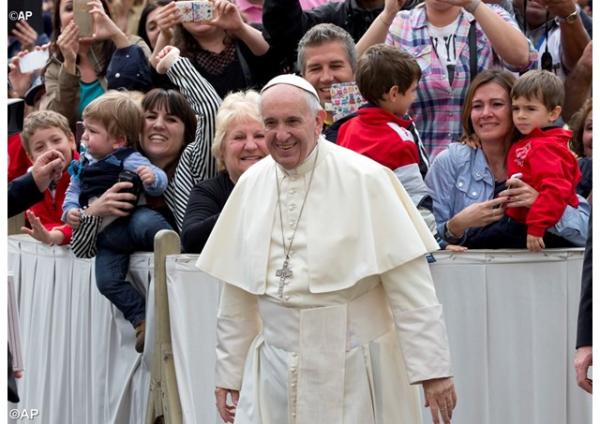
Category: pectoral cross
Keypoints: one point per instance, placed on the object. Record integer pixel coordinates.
(284, 273)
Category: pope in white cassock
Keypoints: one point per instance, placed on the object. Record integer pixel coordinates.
(328, 313)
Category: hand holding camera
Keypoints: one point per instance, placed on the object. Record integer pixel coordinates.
(136, 184)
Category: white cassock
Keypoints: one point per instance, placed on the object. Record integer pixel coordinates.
(358, 323)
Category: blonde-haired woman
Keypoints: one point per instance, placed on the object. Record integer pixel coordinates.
(239, 143)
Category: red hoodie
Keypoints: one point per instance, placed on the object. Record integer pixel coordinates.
(381, 136)
(49, 210)
(547, 164)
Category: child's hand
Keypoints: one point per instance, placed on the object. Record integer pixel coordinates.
(38, 232)
(146, 175)
(74, 217)
(535, 244)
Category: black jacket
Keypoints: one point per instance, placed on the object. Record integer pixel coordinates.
(584, 320)
(206, 201)
(285, 22)
(22, 194)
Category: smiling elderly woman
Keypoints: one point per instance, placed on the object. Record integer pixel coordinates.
(239, 143)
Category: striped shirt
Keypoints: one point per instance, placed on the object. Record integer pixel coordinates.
(438, 107)
(196, 162)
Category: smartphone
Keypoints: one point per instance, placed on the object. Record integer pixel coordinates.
(137, 186)
(82, 17)
(195, 11)
(35, 60)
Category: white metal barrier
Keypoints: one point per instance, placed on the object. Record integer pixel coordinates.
(511, 318)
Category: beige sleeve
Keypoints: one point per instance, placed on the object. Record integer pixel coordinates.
(419, 320)
(237, 325)
(62, 91)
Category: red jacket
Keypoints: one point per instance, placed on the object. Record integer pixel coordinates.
(381, 136)
(18, 162)
(547, 164)
(49, 210)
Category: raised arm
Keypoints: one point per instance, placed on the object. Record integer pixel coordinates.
(196, 162)
(506, 38)
(228, 18)
(380, 27)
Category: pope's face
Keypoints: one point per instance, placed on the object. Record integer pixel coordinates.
(292, 129)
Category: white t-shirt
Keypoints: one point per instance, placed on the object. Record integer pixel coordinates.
(443, 40)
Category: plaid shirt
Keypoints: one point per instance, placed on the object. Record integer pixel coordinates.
(438, 107)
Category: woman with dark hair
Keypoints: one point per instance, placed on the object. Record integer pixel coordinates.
(175, 141)
(148, 28)
(469, 183)
(228, 52)
(77, 71)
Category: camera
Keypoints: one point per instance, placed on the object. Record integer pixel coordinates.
(137, 185)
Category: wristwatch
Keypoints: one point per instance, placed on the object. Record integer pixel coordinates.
(570, 18)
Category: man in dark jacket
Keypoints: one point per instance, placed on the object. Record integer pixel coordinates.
(285, 22)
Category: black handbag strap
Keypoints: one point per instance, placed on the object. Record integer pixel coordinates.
(473, 51)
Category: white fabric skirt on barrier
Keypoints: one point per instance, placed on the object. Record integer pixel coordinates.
(511, 319)
(80, 365)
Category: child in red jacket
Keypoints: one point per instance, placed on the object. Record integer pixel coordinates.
(43, 131)
(542, 155)
(387, 78)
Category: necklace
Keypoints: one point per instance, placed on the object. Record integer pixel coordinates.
(284, 273)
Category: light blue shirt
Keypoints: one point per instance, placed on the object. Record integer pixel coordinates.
(131, 163)
(460, 176)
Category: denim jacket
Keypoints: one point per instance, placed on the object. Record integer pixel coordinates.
(460, 176)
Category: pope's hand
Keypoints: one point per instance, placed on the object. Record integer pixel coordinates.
(440, 397)
(227, 411)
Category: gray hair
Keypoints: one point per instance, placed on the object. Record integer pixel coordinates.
(239, 105)
(325, 33)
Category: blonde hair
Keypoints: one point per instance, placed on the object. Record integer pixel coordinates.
(43, 119)
(241, 105)
(119, 114)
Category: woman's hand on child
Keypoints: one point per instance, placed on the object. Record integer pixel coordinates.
(535, 244)
(519, 194)
(39, 232)
(113, 202)
(74, 217)
(146, 175)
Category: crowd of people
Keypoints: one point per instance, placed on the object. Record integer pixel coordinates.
(154, 119)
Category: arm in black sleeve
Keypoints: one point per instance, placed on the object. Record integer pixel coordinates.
(22, 194)
(205, 203)
(284, 24)
(584, 321)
